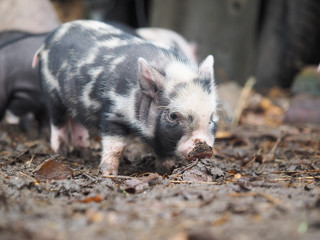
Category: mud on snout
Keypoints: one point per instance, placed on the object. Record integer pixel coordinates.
(200, 150)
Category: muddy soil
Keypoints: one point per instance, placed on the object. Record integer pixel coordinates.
(261, 183)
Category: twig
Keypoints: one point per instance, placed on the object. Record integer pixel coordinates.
(31, 178)
(5, 175)
(72, 163)
(271, 199)
(189, 167)
(251, 161)
(30, 161)
(190, 182)
(296, 178)
(117, 177)
(268, 197)
(275, 146)
(52, 157)
(294, 172)
(245, 93)
(171, 181)
(21, 154)
(242, 194)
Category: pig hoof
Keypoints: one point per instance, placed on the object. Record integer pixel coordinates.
(201, 150)
(107, 170)
(109, 173)
(63, 149)
(164, 166)
(81, 153)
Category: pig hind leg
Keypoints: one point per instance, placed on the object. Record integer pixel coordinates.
(41, 117)
(59, 128)
(80, 137)
(59, 138)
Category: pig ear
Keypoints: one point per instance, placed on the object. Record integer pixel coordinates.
(206, 68)
(150, 78)
(194, 49)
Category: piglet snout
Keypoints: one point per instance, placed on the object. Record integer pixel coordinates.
(200, 150)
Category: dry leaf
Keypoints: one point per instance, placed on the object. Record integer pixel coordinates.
(53, 170)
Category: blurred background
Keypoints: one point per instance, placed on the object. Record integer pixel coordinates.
(272, 40)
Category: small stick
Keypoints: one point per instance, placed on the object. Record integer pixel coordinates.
(251, 161)
(31, 178)
(172, 181)
(271, 199)
(189, 182)
(245, 93)
(190, 166)
(117, 177)
(243, 194)
(5, 175)
(30, 161)
(146, 178)
(295, 178)
(21, 154)
(275, 146)
(52, 157)
(268, 197)
(293, 172)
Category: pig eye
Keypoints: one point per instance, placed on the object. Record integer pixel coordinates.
(173, 116)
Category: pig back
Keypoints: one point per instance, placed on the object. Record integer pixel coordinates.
(90, 60)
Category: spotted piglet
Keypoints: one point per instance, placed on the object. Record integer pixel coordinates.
(96, 76)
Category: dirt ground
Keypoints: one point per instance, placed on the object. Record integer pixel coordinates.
(262, 183)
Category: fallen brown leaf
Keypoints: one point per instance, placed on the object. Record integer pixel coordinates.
(53, 170)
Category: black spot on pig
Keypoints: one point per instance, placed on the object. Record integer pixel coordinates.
(178, 87)
(114, 128)
(204, 83)
(168, 134)
(124, 86)
(58, 110)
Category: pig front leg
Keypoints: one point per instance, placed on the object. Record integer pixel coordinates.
(114, 141)
(112, 151)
